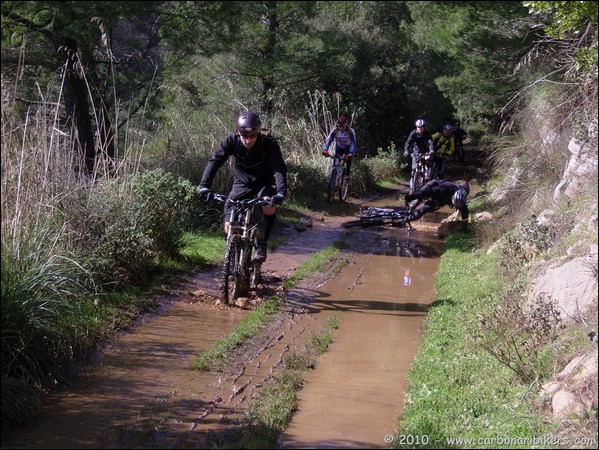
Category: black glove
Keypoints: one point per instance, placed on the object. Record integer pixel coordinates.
(206, 194)
(278, 199)
(410, 197)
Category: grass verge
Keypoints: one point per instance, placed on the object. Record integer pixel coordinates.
(457, 390)
(268, 414)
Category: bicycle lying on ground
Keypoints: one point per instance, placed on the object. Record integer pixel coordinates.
(240, 271)
(374, 216)
(338, 178)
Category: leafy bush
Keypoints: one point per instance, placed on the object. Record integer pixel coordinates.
(306, 180)
(164, 205)
(385, 165)
(129, 225)
(522, 244)
(517, 332)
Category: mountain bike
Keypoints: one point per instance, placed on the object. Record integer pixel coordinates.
(423, 172)
(375, 216)
(338, 178)
(240, 271)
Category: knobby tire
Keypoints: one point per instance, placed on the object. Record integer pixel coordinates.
(332, 184)
(418, 181)
(233, 281)
(255, 276)
(344, 187)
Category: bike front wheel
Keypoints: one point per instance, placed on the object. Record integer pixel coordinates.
(332, 184)
(255, 267)
(418, 181)
(233, 277)
(344, 187)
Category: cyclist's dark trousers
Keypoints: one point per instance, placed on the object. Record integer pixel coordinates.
(429, 206)
(241, 191)
(441, 163)
(458, 155)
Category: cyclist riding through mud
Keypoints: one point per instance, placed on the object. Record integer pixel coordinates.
(345, 141)
(419, 144)
(259, 171)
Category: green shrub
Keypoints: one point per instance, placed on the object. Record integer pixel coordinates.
(129, 224)
(385, 165)
(164, 205)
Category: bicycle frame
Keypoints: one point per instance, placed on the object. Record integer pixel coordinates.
(338, 178)
(240, 272)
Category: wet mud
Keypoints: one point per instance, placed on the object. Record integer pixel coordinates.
(141, 393)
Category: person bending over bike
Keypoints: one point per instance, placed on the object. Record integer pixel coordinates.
(419, 144)
(439, 193)
(345, 141)
(259, 171)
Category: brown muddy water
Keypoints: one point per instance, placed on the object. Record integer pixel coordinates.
(142, 394)
(354, 396)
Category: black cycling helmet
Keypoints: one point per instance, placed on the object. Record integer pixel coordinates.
(459, 198)
(249, 124)
(341, 121)
(448, 127)
(420, 123)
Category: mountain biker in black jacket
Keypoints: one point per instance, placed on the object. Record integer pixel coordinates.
(439, 193)
(259, 171)
(419, 143)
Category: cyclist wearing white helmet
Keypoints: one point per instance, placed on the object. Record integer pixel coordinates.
(439, 193)
(419, 144)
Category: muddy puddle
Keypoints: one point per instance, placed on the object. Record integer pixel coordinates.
(142, 394)
(353, 398)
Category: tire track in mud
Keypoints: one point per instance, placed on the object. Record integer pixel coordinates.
(164, 404)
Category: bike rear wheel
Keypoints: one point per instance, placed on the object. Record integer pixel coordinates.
(332, 184)
(233, 277)
(363, 223)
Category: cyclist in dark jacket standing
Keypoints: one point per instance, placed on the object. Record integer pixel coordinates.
(439, 193)
(259, 171)
(419, 144)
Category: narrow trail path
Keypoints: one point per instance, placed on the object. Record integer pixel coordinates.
(142, 394)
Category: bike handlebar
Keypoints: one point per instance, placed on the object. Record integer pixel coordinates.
(339, 156)
(245, 202)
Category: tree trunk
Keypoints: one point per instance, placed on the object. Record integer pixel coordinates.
(76, 100)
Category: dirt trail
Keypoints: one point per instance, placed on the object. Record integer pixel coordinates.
(142, 394)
